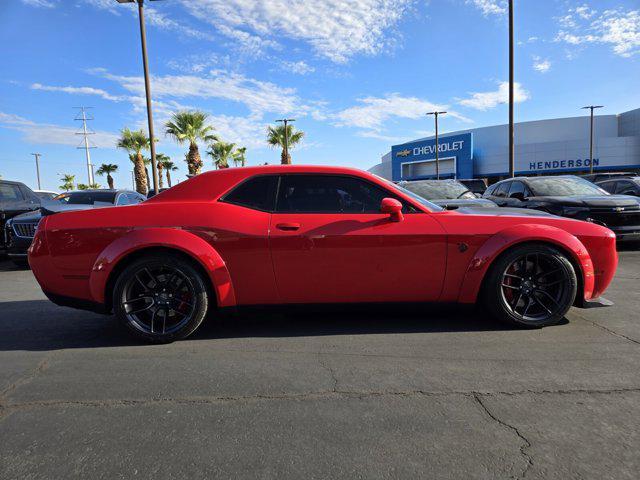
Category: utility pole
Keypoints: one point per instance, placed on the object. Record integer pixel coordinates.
(435, 114)
(82, 116)
(592, 108)
(511, 95)
(285, 121)
(147, 89)
(38, 155)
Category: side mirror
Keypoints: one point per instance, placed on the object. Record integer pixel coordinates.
(393, 207)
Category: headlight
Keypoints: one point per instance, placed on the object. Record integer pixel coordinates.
(573, 211)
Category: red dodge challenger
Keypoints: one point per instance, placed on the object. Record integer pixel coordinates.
(308, 235)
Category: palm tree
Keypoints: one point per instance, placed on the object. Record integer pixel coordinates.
(239, 156)
(135, 142)
(67, 182)
(169, 167)
(161, 159)
(221, 152)
(189, 126)
(275, 138)
(107, 169)
(95, 186)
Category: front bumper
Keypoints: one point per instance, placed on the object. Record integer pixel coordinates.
(16, 246)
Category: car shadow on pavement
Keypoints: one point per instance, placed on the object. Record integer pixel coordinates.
(38, 325)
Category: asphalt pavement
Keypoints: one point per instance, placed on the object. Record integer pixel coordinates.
(365, 393)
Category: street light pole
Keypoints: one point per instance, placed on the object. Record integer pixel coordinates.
(511, 95)
(285, 121)
(38, 155)
(435, 115)
(592, 108)
(147, 89)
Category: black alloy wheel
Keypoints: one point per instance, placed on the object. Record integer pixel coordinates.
(532, 285)
(161, 299)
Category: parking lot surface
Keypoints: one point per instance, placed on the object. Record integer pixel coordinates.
(383, 393)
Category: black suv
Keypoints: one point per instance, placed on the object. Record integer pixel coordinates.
(15, 198)
(622, 186)
(573, 197)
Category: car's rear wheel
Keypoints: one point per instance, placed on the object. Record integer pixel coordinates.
(532, 285)
(161, 298)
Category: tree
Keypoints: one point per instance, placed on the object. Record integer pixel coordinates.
(239, 156)
(161, 159)
(95, 186)
(107, 169)
(221, 152)
(275, 138)
(169, 167)
(135, 142)
(190, 126)
(83, 186)
(67, 182)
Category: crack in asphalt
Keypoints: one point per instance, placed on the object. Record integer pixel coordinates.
(324, 394)
(41, 367)
(608, 330)
(525, 442)
(329, 369)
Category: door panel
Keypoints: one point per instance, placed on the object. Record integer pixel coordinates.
(335, 258)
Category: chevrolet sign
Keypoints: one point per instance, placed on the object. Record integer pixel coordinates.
(403, 153)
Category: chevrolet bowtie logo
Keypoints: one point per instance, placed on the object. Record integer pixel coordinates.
(619, 209)
(403, 153)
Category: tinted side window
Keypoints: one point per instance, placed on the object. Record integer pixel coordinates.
(624, 186)
(122, 199)
(10, 193)
(257, 193)
(519, 188)
(489, 191)
(608, 186)
(502, 189)
(329, 194)
(134, 199)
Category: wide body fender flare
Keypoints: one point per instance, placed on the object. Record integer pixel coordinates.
(172, 238)
(512, 236)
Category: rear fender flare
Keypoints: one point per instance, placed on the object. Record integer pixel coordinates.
(172, 238)
(504, 239)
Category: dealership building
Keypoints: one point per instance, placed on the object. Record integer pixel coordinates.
(541, 148)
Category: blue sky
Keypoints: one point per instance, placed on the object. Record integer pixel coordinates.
(358, 75)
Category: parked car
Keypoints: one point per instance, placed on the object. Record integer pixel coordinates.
(449, 194)
(15, 198)
(622, 186)
(152, 193)
(571, 196)
(298, 234)
(19, 231)
(476, 185)
(45, 194)
(599, 177)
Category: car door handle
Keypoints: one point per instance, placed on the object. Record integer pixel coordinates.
(288, 226)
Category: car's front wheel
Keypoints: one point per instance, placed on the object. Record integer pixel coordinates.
(161, 298)
(532, 285)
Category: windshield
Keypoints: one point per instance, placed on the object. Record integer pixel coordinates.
(443, 189)
(86, 198)
(421, 200)
(563, 186)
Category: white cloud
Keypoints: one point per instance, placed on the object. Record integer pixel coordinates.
(617, 28)
(153, 17)
(300, 68)
(258, 96)
(79, 91)
(373, 113)
(542, 65)
(46, 133)
(490, 7)
(40, 3)
(488, 100)
(336, 29)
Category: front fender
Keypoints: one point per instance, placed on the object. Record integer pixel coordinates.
(511, 236)
(173, 238)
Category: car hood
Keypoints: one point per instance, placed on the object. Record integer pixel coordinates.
(503, 212)
(592, 200)
(463, 202)
(50, 209)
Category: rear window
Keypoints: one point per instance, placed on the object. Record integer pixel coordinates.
(258, 193)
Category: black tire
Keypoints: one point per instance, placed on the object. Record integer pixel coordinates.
(161, 298)
(532, 285)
